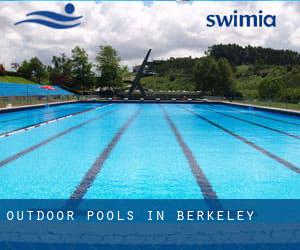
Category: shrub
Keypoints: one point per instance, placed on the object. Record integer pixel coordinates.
(290, 95)
(172, 78)
(213, 76)
(269, 88)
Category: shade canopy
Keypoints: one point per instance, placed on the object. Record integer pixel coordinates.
(48, 87)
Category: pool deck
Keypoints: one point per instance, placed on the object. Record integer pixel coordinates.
(19, 108)
(263, 108)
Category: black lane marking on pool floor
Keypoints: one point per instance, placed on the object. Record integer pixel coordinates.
(256, 124)
(283, 162)
(50, 139)
(203, 182)
(273, 119)
(36, 125)
(94, 170)
(38, 114)
(266, 117)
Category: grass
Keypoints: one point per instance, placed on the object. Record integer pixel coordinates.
(15, 79)
(165, 83)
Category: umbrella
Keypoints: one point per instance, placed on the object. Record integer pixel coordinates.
(47, 87)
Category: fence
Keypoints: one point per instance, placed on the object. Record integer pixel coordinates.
(287, 104)
(14, 94)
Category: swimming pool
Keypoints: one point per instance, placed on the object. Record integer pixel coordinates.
(172, 151)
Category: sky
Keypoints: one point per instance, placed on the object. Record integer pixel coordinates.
(171, 29)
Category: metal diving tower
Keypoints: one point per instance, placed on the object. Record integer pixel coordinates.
(136, 82)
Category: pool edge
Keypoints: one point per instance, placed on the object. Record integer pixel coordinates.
(34, 106)
(263, 108)
(242, 105)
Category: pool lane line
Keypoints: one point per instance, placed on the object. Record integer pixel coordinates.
(50, 139)
(38, 114)
(256, 124)
(273, 119)
(201, 179)
(262, 116)
(94, 170)
(280, 160)
(47, 122)
(29, 127)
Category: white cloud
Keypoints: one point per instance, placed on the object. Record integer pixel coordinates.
(170, 29)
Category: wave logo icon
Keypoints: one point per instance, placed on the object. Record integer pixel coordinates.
(54, 20)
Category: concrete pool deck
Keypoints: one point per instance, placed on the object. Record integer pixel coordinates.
(265, 108)
(108, 100)
(32, 106)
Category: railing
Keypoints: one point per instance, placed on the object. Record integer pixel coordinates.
(13, 101)
(287, 104)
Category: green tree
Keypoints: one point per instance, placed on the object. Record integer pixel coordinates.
(33, 70)
(270, 88)
(61, 71)
(108, 65)
(290, 94)
(83, 76)
(224, 83)
(238, 55)
(38, 70)
(213, 76)
(205, 74)
(25, 69)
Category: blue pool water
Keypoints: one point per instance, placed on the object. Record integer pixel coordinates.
(149, 151)
(17, 120)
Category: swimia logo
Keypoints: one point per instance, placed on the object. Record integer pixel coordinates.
(239, 20)
(54, 20)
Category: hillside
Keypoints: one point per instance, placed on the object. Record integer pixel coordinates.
(258, 73)
(172, 74)
(15, 79)
(274, 82)
(165, 83)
